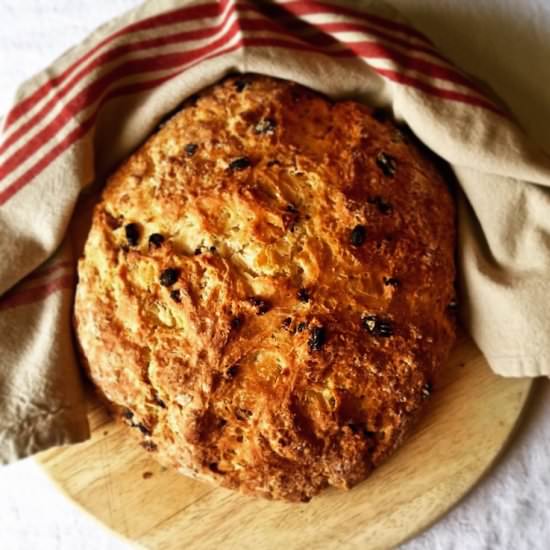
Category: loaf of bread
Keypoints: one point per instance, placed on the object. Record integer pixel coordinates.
(266, 291)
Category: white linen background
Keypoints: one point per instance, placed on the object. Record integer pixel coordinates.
(506, 43)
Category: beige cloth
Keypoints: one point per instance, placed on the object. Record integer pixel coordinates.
(73, 123)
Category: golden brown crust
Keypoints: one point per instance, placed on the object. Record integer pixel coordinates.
(282, 332)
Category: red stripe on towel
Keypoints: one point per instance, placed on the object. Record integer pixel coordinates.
(35, 294)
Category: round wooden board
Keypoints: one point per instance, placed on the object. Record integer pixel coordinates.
(468, 422)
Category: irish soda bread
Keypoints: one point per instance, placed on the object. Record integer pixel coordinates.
(265, 294)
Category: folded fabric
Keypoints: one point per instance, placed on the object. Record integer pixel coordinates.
(73, 123)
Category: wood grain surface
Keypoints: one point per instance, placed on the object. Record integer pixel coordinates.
(470, 418)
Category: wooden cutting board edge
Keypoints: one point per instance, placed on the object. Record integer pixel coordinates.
(527, 394)
(430, 519)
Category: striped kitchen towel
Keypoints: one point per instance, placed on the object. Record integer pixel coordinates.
(73, 123)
